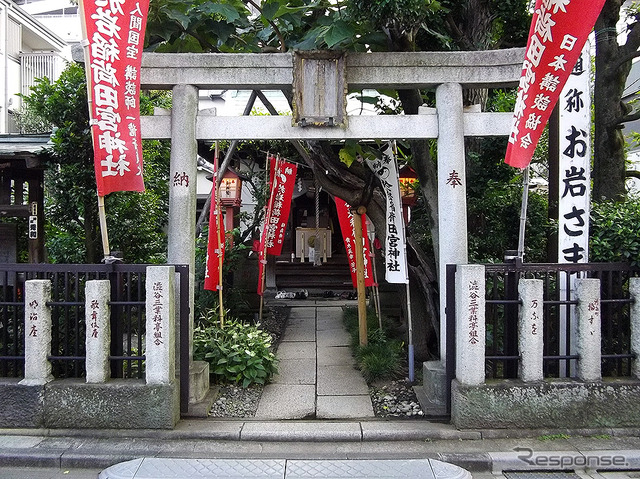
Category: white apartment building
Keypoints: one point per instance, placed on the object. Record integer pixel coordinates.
(28, 50)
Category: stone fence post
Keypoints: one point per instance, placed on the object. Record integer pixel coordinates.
(588, 329)
(37, 332)
(470, 324)
(634, 293)
(530, 326)
(160, 348)
(98, 330)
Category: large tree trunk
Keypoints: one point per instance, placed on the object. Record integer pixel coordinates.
(613, 63)
(609, 155)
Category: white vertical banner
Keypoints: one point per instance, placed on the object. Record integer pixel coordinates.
(574, 131)
(575, 160)
(386, 169)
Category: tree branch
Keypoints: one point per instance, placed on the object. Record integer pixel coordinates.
(283, 46)
(631, 117)
(624, 59)
(633, 39)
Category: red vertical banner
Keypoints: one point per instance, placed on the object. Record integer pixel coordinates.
(345, 218)
(215, 246)
(114, 41)
(559, 29)
(274, 164)
(283, 178)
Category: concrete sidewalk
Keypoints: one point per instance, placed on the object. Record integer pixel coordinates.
(317, 372)
(485, 451)
(313, 345)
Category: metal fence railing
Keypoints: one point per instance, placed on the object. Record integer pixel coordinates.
(558, 308)
(68, 316)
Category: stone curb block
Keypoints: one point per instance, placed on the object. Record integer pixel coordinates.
(478, 462)
(302, 432)
(30, 458)
(79, 460)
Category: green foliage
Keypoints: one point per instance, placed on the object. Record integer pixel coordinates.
(615, 231)
(29, 121)
(238, 352)
(135, 220)
(234, 259)
(493, 219)
(381, 358)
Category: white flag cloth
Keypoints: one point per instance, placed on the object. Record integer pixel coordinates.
(386, 169)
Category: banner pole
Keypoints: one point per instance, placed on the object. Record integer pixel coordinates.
(218, 215)
(523, 213)
(410, 326)
(265, 230)
(376, 291)
(102, 215)
(362, 306)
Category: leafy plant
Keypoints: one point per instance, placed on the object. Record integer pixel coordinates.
(136, 220)
(381, 358)
(615, 231)
(238, 352)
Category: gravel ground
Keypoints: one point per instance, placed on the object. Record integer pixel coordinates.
(394, 399)
(235, 401)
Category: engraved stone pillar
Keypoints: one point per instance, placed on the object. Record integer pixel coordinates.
(452, 185)
(182, 186)
(98, 330)
(634, 292)
(530, 326)
(588, 338)
(160, 348)
(470, 324)
(37, 332)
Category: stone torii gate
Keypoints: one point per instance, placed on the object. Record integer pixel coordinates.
(446, 72)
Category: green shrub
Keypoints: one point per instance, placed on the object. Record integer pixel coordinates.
(615, 231)
(382, 357)
(238, 353)
(380, 360)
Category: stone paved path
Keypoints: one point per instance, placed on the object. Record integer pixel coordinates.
(317, 375)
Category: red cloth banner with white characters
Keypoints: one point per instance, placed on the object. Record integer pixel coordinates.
(114, 41)
(559, 29)
(282, 182)
(345, 217)
(216, 243)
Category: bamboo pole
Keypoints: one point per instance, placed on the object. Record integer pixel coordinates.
(376, 291)
(266, 229)
(102, 215)
(221, 238)
(362, 305)
(410, 325)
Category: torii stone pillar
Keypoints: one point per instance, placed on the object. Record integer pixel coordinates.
(452, 192)
(182, 211)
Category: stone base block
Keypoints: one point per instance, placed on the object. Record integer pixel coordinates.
(117, 404)
(432, 395)
(198, 381)
(22, 406)
(547, 404)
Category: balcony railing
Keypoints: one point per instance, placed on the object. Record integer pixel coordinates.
(39, 65)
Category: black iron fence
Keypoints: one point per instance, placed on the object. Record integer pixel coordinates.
(68, 316)
(559, 359)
